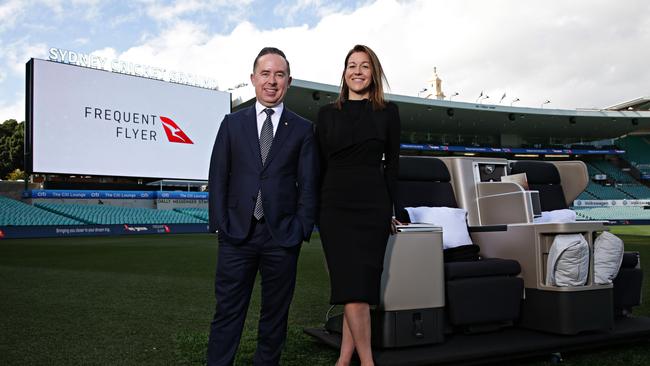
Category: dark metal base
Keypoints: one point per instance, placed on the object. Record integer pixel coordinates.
(402, 328)
(506, 344)
(568, 312)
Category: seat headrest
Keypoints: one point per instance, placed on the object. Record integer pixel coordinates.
(537, 172)
(423, 169)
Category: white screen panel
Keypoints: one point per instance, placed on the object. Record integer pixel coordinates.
(94, 122)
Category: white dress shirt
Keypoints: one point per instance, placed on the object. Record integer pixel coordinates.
(261, 116)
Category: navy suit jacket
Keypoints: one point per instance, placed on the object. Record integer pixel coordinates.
(288, 180)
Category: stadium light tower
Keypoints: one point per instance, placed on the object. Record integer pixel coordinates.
(514, 101)
(484, 98)
(545, 102)
(453, 95)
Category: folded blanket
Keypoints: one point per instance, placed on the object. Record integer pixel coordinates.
(564, 215)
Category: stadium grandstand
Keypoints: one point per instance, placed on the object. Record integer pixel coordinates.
(611, 142)
(111, 215)
(16, 213)
(636, 153)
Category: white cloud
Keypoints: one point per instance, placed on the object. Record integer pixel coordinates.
(54, 5)
(9, 13)
(18, 53)
(15, 56)
(180, 9)
(81, 41)
(289, 9)
(14, 12)
(107, 53)
(583, 53)
(117, 20)
(13, 110)
(163, 12)
(91, 8)
(177, 48)
(569, 53)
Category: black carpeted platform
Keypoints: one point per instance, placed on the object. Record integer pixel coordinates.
(507, 344)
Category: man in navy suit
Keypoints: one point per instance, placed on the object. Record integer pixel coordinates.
(262, 180)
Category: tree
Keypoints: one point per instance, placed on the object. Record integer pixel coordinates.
(16, 175)
(12, 139)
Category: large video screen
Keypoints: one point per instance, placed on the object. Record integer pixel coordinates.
(85, 121)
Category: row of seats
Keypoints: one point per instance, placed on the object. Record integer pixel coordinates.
(604, 192)
(612, 213)
(644, 168)
(16, 213)
(486, 290)
(636, 190)
(595, 191)
(586, 195)
(592, 170)
(636, 151)
(609, 169)
(199, 213)
(626, 186)
(110, 215)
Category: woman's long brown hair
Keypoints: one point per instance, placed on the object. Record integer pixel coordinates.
(376, 86)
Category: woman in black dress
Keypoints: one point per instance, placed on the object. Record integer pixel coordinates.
(358, 137)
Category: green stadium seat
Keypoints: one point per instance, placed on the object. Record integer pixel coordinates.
(16, 213)
(111, 215)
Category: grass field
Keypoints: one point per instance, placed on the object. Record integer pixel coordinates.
(638, 230)
(148, 300)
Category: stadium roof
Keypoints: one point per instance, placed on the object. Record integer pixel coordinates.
(638, 104)
(421, 115)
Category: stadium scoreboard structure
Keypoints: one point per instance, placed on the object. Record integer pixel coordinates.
(87, 121)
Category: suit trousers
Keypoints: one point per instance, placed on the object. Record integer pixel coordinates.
(237, 267)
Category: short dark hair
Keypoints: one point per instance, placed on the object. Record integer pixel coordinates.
(272, 51)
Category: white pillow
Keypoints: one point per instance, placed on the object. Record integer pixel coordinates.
(608, 256)
(452, 220)
(568, 261)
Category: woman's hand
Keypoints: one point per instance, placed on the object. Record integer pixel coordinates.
(393, 225)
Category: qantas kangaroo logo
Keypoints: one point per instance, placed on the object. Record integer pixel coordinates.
(174, 133)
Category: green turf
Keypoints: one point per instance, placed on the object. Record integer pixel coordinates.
(148, 300)
(642, 230)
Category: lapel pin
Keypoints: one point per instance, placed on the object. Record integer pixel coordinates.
(286, 124)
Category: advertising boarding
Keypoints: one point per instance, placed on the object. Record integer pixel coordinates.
(95, 122)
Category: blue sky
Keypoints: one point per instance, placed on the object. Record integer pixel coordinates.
(578, 54)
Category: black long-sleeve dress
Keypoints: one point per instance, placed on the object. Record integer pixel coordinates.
(359, 150)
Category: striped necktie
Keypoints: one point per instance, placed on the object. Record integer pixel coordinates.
(266, 139)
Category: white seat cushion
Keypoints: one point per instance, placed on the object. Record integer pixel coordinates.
(608, 256)
(452, 220)
(568, 261)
